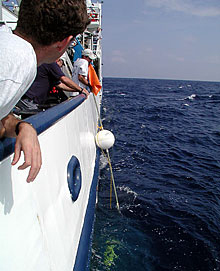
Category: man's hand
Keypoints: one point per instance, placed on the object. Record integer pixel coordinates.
(27, 142)
(85, 91)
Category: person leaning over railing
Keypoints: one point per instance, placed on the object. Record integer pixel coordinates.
(48, 76)
(42, 35)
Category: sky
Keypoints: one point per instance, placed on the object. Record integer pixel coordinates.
(161, 39)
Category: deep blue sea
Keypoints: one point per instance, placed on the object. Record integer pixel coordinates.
(166, 163)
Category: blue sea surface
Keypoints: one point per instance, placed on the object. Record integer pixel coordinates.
(166, 164)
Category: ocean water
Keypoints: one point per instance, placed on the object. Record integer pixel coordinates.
(166, 163)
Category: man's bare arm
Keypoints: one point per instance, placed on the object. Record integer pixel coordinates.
(2, 130)
(71, 86)
(70, 83)
(62, 86)
(9, 123)
(83, 80)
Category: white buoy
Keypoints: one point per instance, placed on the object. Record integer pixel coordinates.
(105, 139)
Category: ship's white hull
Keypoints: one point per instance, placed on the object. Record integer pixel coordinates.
(41, 225)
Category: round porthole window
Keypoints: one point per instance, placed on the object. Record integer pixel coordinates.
(74, 177)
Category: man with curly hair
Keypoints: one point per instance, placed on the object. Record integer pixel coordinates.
(45, 28)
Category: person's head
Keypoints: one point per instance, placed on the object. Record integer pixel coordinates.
(48, 21)
(88, 55)
(60, 62)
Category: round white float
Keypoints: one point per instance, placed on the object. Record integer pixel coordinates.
(105, 139)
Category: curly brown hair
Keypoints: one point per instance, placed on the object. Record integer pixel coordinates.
(49, 21)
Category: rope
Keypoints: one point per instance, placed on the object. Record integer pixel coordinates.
(112, 182)
(100, 121)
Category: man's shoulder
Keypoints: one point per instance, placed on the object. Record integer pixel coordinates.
(17, 57)
(15, 48)
(5, 29)
(13, 39)
(48, 66)
(51, 69)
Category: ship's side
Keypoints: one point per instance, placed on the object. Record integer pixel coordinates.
(47, 224)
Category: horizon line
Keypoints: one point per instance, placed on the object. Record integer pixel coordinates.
(196, 80)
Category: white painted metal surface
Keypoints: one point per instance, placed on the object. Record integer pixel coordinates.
(40, 225)
(9, 18)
